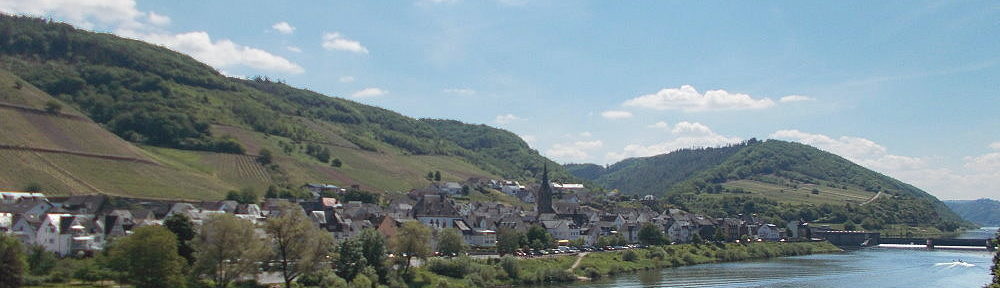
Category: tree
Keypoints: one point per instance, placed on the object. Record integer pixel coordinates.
(508, 240)
(40, 262)
(374, 248)
(336, 162)
(849, 225)
(450, 242)
(719, 236)
(265, 157)
(696, 238)
(352, 259)
(298, 245)
(437, 175)
(539, 238)
(227, 249)
(12, 264)
(148, 258)
(182, 227)
(430, 176)
(272, 192)
(411, 240)
(650, 234)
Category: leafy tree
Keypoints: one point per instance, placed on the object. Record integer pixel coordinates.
(272, 192)
(336, 162)
(298, 245)
(696, 238)
(539, 238)
(148, 258)
(374, 248)
(40, 262)
(12, 264)
(437, 175)
(450, 242)
(265, 157)
(849, 225)
(411, 240)
(719, 236)
(227, 249)
(509, 240)
(430, 176)
(352, 259)
(181, 226)
(650, 234)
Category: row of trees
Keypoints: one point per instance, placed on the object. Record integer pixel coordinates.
(229, 249)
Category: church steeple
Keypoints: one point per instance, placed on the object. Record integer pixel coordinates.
(545, 193)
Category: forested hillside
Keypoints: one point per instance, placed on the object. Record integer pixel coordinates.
(984, 211)
(153, 96)
(778, 179)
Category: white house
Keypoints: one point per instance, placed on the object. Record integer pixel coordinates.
(562, 229)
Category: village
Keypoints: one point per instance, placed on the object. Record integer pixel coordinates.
(81, 225)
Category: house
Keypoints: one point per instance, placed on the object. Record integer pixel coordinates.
(562, 229)
(318, 190)
(681, 231)
(769, 232)
(436, 211)
(14, 197)
(450, 188)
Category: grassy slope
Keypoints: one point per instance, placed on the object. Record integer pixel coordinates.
(107, 78)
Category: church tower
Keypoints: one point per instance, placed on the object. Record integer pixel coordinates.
(544, 201)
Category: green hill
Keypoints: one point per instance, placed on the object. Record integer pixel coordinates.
(177, 113)
(778, 179)
(984, 211)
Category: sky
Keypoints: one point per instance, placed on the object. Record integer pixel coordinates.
(908, 88)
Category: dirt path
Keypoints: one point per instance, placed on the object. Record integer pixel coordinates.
(579, 257)
(879, 194)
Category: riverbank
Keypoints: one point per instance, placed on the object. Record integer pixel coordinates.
(509, 271)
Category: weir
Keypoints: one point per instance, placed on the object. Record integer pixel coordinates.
(863, 238)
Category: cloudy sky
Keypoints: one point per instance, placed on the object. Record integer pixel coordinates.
(910, 90)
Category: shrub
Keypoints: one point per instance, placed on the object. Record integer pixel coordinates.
(455, 267)
(511, 266)
(630, 256)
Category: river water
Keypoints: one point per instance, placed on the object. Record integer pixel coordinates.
(868, 267)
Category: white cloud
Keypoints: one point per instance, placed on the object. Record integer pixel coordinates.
(688, 99)
(124, 19)
(506, 118)
(222, 53)
(335, 41)
(574, 151)
(683, 135)
(293, 49)
(975, 179)
(616, 114)
(459, 91)
(995, 145)
(795, 98)
(660, 125)
(369, 93)
(346, 79)
(283, 27)
(86, 14)
(586, 134)
(158, 20)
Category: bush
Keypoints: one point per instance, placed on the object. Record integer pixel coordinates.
(53, 107)
(454, 267)
(511, 266)
(630, 256)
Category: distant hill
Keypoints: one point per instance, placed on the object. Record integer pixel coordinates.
(778, 178)
(162, 106)
(985, 212)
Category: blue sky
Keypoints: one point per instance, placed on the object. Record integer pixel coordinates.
(908, 89)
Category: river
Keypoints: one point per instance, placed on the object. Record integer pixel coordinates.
(869, 267)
